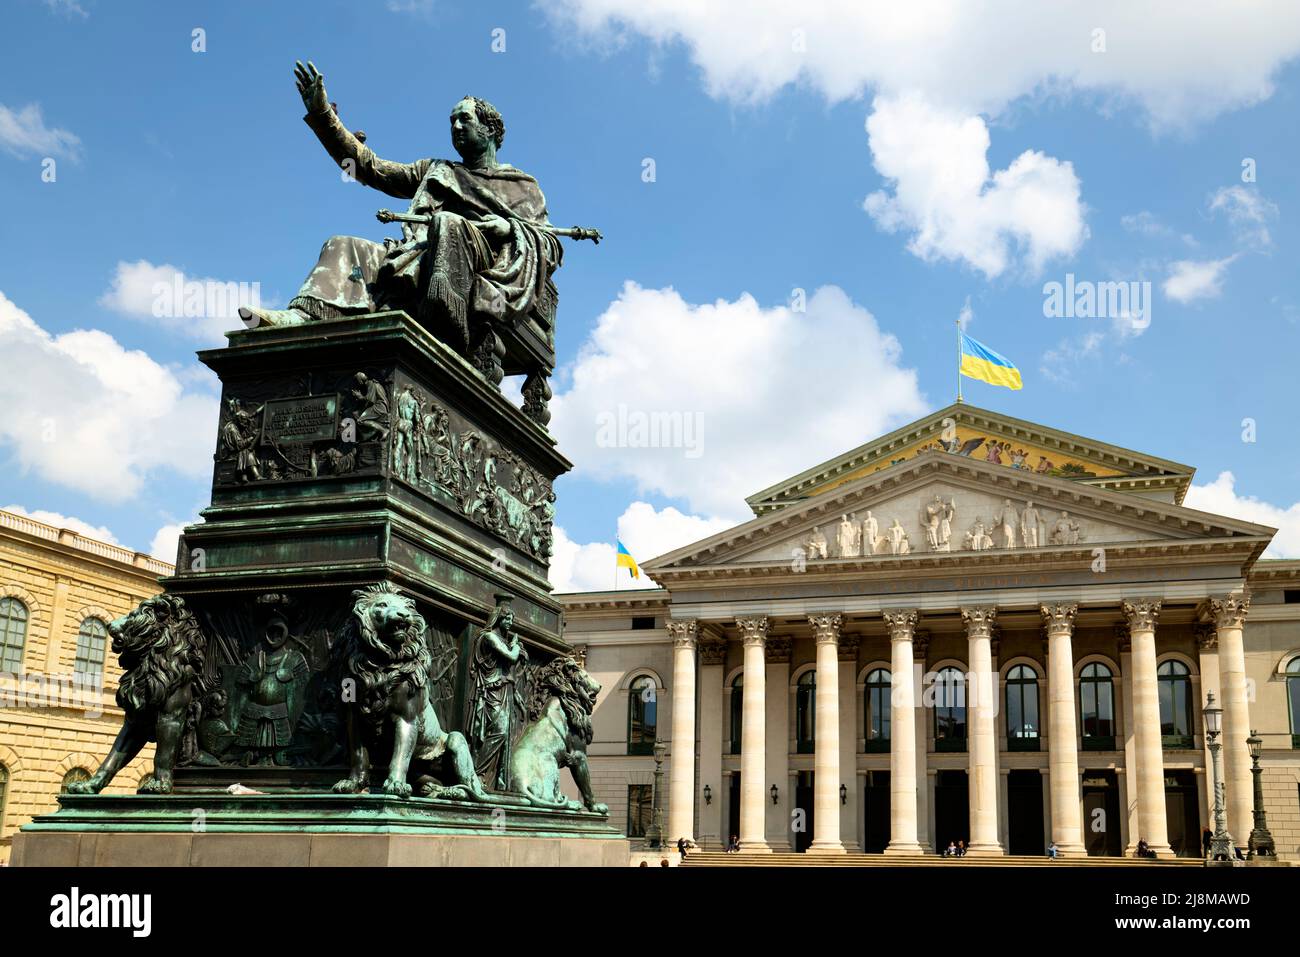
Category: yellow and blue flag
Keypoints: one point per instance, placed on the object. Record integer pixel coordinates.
(625, 560)
(978, 361)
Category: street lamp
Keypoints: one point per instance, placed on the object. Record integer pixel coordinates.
(1261, 841)
(656, 803)
(1221, 843)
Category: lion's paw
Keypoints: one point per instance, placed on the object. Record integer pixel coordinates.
(155, 785)
(347, 786)
(89, 786)
(397, 788)
(597, 808)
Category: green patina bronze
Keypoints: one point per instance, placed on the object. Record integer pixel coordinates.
(361, 630)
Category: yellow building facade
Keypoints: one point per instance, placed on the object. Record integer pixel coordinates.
(58, 677)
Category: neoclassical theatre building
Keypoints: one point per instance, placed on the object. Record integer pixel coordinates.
(972, 629)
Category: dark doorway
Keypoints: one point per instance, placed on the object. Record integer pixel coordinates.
(951, 809)
(1101, 814)
(802, 815)
(1182, 813)
(1025, 813)
(875, 833)
(733, 807)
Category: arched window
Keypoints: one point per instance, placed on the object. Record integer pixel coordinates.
(737, 712)
(73, 776)
(805, 712)
(642, 720)
(950, 710)
(1022, 709)
(13, 634)
(1293, 699)
(1097, 707)
(91, 640)
(876, 715)
(1175, 683)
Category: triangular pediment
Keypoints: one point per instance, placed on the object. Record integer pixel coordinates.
(979, 435)
(953, 508)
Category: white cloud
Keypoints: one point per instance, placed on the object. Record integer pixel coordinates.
(23, 134)
(201, 308)
(1190, 280)
(744, 395)
(1059, 364)
(97, 532)
(1146, 223)
(936, 162)
(971, 57)
(86, 413)
(163, 546)
(962, 60)
(647, 532)
(1220, 497)
(1248, 212)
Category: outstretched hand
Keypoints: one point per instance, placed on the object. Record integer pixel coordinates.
(311, 85)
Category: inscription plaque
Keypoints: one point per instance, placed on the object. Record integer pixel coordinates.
(312, 418)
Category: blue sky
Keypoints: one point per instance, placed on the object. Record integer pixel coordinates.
(1122, 163)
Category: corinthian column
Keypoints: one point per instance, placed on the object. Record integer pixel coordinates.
(1229, 615)
(982, 707)
(681, 771)
(826, 731)
(753, 744)
(1142, 615)
(902, 736)
(1063, 737)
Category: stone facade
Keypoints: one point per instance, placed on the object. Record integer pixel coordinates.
(1116, 576)
(61, 578)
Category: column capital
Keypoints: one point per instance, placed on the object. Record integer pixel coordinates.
(713, 651)
(826, 628)
(753, 631)
(1142, 613)
(778, 650)
(682, 631)
(901, 623)
(1207, 636)
(979, 620)
(1123, 637)
(1058, 618)
(920, 644)
(1229, 611)
(580, 653)
(849, 647)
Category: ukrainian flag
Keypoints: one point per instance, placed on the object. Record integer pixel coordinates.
(625, 560)
(978, 361)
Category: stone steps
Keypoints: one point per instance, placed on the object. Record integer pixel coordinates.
(720, 859)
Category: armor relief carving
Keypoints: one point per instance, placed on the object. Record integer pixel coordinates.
(778, 650)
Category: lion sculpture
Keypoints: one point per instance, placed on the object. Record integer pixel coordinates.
(559, 712)
(391, 711)
(161, 650)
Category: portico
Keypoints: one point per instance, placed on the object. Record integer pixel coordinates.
(1017, 659)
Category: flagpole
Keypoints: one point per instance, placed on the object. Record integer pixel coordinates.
(959, 360)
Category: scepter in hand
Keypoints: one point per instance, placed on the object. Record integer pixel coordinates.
(570, 232)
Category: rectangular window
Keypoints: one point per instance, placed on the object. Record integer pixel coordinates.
(1291, 596)
(643, 622)
(639, 809)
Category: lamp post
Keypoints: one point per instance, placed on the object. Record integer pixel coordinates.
(1261, 841)
(656, 801)
(1221, 843)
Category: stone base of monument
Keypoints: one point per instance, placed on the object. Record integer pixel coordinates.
(199, 829)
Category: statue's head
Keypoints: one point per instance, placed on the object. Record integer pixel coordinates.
(476, 128)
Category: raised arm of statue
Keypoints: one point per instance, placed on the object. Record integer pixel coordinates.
(395, 179)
